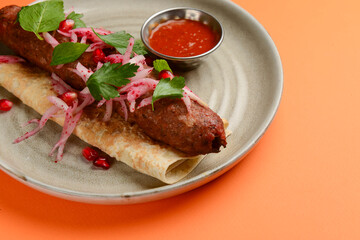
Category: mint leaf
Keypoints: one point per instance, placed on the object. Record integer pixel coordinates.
(167, 88)
(42, 17)
(103, 83)
(119, 40)
(67, 52)
(139, 47)
(76, 17)
(161, 64)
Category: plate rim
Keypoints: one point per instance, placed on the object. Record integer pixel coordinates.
(181, 186)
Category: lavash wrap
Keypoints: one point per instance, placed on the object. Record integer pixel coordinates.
(117, 138)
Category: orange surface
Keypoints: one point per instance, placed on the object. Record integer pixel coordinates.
(301, 182)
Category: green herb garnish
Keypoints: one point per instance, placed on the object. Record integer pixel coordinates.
(120, 40)
(167, 88)
(161, 64)
(42, 17)
(139, 48)
(67, 52)
(76, 17)
(103, 83)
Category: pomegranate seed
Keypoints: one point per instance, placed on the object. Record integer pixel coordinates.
(166, 74)
(90, 154)
(68, 97)
(66, 25)
(5, 105)
(98, 55)
(149, 60)
(102, 162)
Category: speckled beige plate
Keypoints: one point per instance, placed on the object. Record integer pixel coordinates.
(241, 81)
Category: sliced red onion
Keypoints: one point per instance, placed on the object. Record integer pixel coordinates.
(73, 37)
(10, 59)
(141, 74)
(69, 126)
(59, 66)
(58, 102)
(108, 112)
(85, 91)
(88, 32)
(64, 33)
(145, 102)
(83, 72)
(121, 100)
(83, 39)
(114, 58)
(31, 121)
(186, 101)
(128, 51)
(193, 96)
(60, 83)
(41, 123)
(132, 106)
(101, 102)
(50, 39)
(95, 46)
(99, 65)
(151, 83)
(137, 59)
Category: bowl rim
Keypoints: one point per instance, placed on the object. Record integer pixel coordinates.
(168, 57)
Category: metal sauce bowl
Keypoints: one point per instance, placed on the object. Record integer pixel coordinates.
(181, 63)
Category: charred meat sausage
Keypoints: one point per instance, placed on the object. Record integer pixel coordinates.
(199, 131)
(36, 51)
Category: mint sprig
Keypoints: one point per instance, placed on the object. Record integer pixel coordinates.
(42, 17)
(167, 88)
(161, 64)
(78, 23)
(67, 52)
(120, 40)
(139, 47)
(103, 83)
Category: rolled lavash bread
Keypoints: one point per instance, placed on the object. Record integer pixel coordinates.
(117, 138)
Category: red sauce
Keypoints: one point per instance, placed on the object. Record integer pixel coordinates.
(182, 38)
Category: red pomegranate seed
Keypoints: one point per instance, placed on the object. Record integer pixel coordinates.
(166, 74)
(90, 154)
(102, 162)
(5, 105)
(98, 55)
(149, 60)
(68, 97)
(66, 25)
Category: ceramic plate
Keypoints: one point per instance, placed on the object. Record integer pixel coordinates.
(241, 81)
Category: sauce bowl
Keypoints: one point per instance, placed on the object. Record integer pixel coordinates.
(181, 63)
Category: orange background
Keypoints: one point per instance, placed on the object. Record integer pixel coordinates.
(301, 182)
